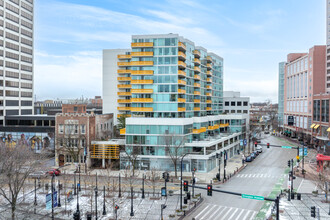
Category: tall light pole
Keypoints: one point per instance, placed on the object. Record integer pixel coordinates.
(79, 187)
(35, 195)
(181, 177)
(53, 176)
(59, 194)
(96, 203)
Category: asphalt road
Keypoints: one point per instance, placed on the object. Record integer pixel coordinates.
(258, 178)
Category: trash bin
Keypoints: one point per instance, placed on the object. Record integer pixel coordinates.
(89, 216)
(298, 196)
(292, 195)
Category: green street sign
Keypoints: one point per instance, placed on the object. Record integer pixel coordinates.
(287, 147)
(246, 196)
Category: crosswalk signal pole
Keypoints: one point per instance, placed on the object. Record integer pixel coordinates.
(292, 176)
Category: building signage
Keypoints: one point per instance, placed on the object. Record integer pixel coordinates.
(290, 120)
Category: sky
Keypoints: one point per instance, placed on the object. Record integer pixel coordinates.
(252, 36)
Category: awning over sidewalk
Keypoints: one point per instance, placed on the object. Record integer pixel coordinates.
(316, 126)
(312, 126)
(328, 130)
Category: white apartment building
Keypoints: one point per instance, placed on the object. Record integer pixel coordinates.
(16, 57)
(235, 104)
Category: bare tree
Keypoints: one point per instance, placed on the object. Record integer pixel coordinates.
(133, 153)
(154, 176)
(322, 180)
(174, 148)
(16, 164)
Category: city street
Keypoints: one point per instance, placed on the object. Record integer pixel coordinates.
(258, 178)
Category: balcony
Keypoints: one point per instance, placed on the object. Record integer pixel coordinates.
(197, 53)
(124, 86)
(136, 63)
(142, 54)
(209, 73)
(181, 46)
(124, 94)
(126, 115)
(142, 44)
(182, 55)
(214, 127)
(142, 72)
(182, 91)
(197, 77)
(142, 109)
(124, 101)
(123, 131)
(124, 78)
(209, 101)
(142, 100)
(197, 100)
(105, 151)
(197, 61)
(208, 108)
(209, 59)
(208, 94)
(209, 87)
(197, 85)
(181, 100)
(142, 81)
(181, 109)
(209, 80)
(124, 108)
(181, 73)
(182, 82)
(197, 69)
(142, 91)
(119, 71)
(197, 93)
(224, 125)
(182, 64)
(200, 130)
(197, 108)
(209, 66)
(124, 56)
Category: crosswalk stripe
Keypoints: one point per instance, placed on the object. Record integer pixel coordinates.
(233, 214)
(202, 211)
(250, 175)
(224, 217)
(221, 207)
(240, 214)
(246, 215)
(214, 206)
(253, 214)
(253, 175)
(239, 175)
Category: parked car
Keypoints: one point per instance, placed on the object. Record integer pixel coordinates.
(256, 152)
(56, 171)
(258, 141)
(259, 149)
(248, 159)
(253, 155)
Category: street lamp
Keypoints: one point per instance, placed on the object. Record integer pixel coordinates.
(95, 203)
(76, 215)
(142, 187)
(181, 176)
(104, 212)
(79, 187)
(59, 194)
(53, 176)
(119, 191)
(75, 184)
(35, 195)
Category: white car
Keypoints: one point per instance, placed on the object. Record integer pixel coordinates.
(259, 149)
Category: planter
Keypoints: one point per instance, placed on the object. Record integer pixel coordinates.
(171, 216)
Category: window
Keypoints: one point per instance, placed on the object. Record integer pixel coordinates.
(232, 104)
(226, 103)
(245, 103)
(60, 129)
(76, 129)
(239, 103)
(245, 111)
(232, 111)
(82, 128)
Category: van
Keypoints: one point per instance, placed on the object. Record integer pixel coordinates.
(259, 149)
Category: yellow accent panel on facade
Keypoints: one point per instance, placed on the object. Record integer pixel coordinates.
(120, 71)
(124, 78)
(146, 91)
(142, 109)
(224, 125)
(142, 44)
(200, 130)
(123, 131)
(197, 53)
(182, 73)
(123, 108)
(126, 115)
(181, 54)
(209, 59)
(181, 91)
(197, 77)
(197, 93)
(182, 82)
(142, 100)
(142, 54)
(213, 127)
(197, 69)
(124, 101)
(124, 86)
(142, 72)
(209, 101)
(142, 81)
(197, 85)
(181, 100)
(124, 56)
(124, 93)
(182, 64)
(104, 151)
(181, 109)
(208, 108)
(197, 100)
(180, 44)
(197, 108)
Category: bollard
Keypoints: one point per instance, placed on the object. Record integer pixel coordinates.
(292, 195)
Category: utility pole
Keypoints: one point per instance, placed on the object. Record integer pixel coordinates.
(35, 195)
(142, 186)
(292, 176)
(224, 164)
(104, 211)
(59, 194)
(119, 191)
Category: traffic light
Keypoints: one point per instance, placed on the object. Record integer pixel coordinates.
(267, 145)
(256, 144)
(185, 186)
(209, 190)
(185, 200)
(167, 177)
(194, 169)
(164, 175)
(289, 163)
(217, 155)
(313, 211)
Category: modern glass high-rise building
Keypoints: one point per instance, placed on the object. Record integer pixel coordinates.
(281, 71)
(169, 87)
(16, 58)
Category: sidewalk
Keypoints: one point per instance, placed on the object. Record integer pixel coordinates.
(234, 164)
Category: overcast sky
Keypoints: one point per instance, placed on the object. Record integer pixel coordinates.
(252, 36)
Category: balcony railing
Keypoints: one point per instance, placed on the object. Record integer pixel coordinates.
(200, 130)
(181, 45)
(142, 54)
(181, 73)
(142, 109)
(120, 71)
(209, 59)
(182, 91)
(182, 55)
(124, 101)
(197, 85)
(209, 101)
(106, 151)
(197, 77)
(197, 100)
(197, 93)
(124, 78)
(224, 125)
(208, 94)
(142, 44)
(181, 100)
(136, 63)
(124, 93)
(142, 91)
(209, 73)
(181, 109)
(182, 64)
(142, 72)
(124, 86)
(142, 81)
(197, 69)
(208, 108)
(123, 108)
(182, 82)
(209, 66)
(141, 100)
(197, 108)
(197, 53)
(124, 56)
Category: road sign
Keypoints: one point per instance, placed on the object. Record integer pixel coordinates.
(245, 142)
(49, 200)
(305, 151)
(287, 147)
(246, 196)
(69, 196)
(55, 199)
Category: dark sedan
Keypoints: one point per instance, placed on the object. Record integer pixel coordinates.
(248, 159)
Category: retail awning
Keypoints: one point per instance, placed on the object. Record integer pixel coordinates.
(316, 126)
(312, 126)
(328, 130)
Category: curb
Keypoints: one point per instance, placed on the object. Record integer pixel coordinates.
(235, 172)
(191, 210)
